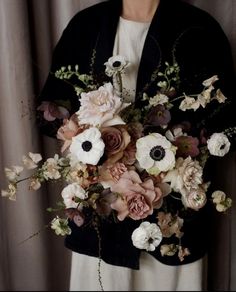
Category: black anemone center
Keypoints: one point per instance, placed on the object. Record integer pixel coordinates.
(157, 153)
(222, 146)
(86, 146)
(116, 64)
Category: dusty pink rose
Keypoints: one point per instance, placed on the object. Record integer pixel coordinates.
(51, 111)
(110, 174)
(116, 139)
(69, 129)
(136, 198)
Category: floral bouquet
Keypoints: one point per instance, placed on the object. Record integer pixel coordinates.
(119, 161)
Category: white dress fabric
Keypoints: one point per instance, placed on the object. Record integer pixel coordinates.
(152, 275)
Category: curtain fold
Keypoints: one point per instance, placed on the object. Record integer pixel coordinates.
(29, 31)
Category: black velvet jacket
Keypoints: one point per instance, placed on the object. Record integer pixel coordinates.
(178, 32)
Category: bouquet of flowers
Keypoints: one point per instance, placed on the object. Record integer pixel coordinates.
(119, 161)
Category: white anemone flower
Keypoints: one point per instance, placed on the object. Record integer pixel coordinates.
(218, 144)
(155, 153)
(147, 236)
(116, 64)
(88, 146)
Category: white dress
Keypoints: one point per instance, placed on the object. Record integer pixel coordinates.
(152, 275)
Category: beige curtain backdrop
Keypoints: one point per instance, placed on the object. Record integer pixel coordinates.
(28, 32)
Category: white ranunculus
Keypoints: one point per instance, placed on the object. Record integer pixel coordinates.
(195, 199)
(155, 153)
(71, 192)
(99, 106)
(218, 144)
(186, 176)
(147, 236)
(88, 146)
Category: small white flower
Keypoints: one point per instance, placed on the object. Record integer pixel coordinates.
(205, 96)
(71, 192)
(218, 144)
(155, 153)
(218, 197)
(195, 199)
(189, 103)
(34, 184)
(210, 81)
(221, 201)
(88, 146)
(116, 64)
(10, 192)
(147, 236)
(31, 161)
(13, 173)
(51, 168)
(60, 226)
(220, 96)
(158, 99)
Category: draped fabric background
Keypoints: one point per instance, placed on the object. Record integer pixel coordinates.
(28, 32)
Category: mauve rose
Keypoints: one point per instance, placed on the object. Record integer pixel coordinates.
(116, 139)
(136, 198)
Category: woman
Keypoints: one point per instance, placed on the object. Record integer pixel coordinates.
(148, 33)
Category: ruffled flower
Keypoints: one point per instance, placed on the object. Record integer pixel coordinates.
(99, 107)
(88, 146)
(155, 153)
(195, 199)
(147, 236)
(218, 144)
(186, 176)
(73, 194)
(136, 198)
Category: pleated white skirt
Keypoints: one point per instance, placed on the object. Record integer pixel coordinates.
(152, 275)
